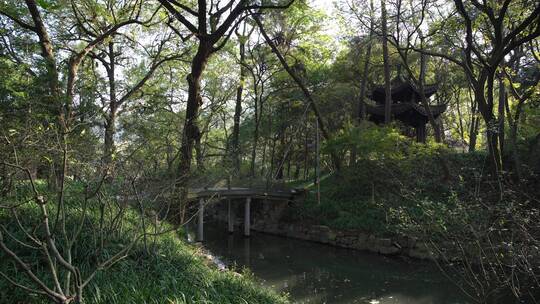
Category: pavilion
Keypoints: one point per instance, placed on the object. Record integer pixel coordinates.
(406, 106)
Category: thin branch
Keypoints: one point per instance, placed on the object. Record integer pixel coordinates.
(19, 21)
(192, 28)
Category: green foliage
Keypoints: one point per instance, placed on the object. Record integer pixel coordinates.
(175, 273)
(394, 189)
(375, 142)
(369, 140)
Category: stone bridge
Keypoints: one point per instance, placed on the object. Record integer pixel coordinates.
(207, 197)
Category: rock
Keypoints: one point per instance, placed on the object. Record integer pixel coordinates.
(422, 251)
(411, 242)
(320, 228)
(384, 242)
(385, 246)
(361, 242)
(323, 234)
(296, 234)
(347, 240)
(362, 237)
(372, 244)
(402, 241)
(322, 238)
(331, 236)
(349, 233)
(389, 250)
(419, 254)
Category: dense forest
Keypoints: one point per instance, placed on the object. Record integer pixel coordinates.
(415, 119)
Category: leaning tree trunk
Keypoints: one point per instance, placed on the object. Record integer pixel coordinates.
(322, 126)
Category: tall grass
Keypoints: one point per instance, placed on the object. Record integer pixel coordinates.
(173, 271)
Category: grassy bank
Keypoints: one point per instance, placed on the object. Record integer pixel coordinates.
(166, 271)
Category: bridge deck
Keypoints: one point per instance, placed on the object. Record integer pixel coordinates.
(255, 193)
(205, 195)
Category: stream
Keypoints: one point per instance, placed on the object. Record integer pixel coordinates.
(318, 273)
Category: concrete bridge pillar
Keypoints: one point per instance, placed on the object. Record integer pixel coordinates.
(200, 226)
(230, 216)
(247, 217)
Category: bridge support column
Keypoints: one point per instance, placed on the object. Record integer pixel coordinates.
(200, 226)
(247, 216)
(247, 252)
(230, 216)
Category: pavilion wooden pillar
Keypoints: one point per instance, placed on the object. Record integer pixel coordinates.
(230, 216)
(200, 226)
(247, 215)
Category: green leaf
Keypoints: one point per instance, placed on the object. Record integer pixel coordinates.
(44, 4)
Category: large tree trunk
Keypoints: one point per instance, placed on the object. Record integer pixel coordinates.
(254, 150)
(492, 124)
(191, 132)
(270, 177)
(492, 139)
(199, 153)
(47, 51)
(110, 129)
(513, 122)
(282, 154)
(475, 123)
(306, 148)
(502, 103)
(473, 134)
(235, 151)
(109, 147)
(460, 116)
(266, 145)
(258, 117)
(386, 59)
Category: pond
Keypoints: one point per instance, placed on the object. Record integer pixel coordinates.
(318, 273)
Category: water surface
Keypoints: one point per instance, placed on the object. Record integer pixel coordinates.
(317, 273)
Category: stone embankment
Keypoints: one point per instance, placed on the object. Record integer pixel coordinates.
(268, 218)
(351, 239)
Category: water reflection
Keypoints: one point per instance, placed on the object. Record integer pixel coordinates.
(316, 273)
